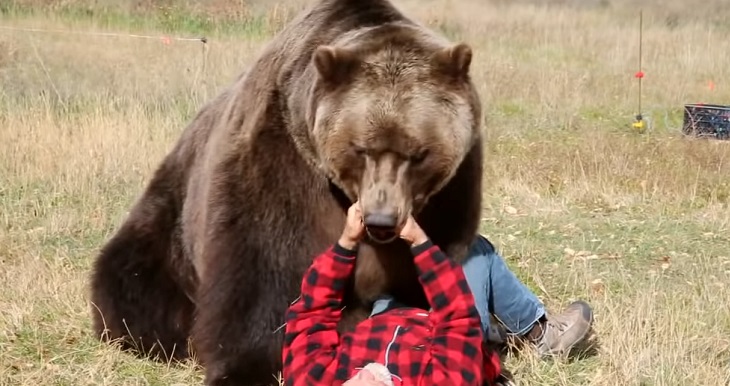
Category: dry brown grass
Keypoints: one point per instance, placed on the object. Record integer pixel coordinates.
(85, 119)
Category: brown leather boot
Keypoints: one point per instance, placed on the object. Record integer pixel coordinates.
(558, 333)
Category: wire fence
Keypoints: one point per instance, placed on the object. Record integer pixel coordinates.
(164, 39)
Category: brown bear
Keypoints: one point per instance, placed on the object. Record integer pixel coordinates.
(352, 100)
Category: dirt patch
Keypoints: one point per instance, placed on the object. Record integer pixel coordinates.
(8, 53)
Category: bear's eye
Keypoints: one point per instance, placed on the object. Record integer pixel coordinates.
(358, 150)
(417, 158)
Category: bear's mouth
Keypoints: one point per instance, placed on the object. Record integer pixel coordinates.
(381, 235)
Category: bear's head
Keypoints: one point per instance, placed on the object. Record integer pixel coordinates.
(391, 121)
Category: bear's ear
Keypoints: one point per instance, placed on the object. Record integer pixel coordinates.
(454, 61)
(334, 64)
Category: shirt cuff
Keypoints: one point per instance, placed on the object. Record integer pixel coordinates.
(341, 251)
(420, 248)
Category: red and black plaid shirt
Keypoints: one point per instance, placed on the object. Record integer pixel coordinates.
(440, 347)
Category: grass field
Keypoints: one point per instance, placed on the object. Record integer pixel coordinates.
(580, 205)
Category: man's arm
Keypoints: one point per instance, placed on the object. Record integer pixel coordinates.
(457, 352)
(311, 338)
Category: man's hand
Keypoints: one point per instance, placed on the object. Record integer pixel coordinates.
(412, 233)
(354, 228)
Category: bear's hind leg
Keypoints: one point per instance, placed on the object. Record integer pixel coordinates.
(135, 297)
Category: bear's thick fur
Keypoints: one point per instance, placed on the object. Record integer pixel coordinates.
(351, 100)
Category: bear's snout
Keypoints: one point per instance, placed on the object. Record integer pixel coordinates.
(381, 219)
(381, 224)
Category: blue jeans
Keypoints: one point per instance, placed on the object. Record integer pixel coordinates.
(496, 290)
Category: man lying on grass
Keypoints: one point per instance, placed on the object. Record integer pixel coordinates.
(398, 346)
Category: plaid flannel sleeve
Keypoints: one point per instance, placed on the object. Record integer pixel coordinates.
(311, 338)
(457, 353)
